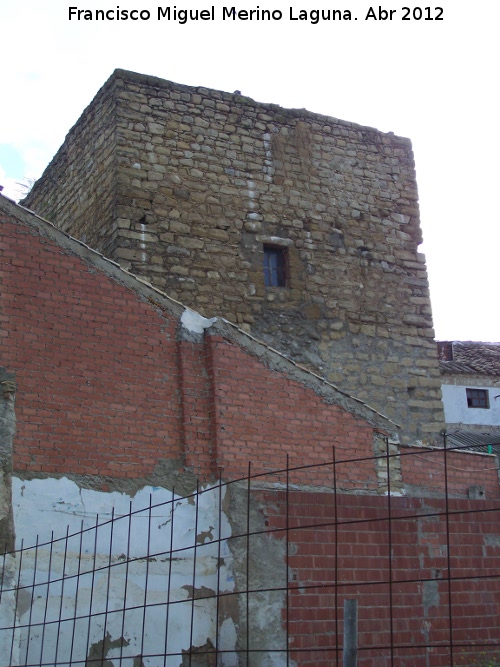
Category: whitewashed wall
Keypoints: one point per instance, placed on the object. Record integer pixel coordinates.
(456, 410)
(137, 577)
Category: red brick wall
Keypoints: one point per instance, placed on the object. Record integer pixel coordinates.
(197, 410)
(262, 416)
(96, 366)
(105, 388)
(418, 538)
(425, 470)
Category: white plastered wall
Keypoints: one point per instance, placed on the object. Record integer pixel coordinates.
(456, 410)
(123, 573)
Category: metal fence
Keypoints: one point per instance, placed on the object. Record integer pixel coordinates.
(258, 572)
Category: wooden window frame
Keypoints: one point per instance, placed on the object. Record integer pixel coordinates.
(477, 398)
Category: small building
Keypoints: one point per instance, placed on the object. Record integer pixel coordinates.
(471, 391)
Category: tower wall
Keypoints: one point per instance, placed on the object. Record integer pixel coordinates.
(189, 187)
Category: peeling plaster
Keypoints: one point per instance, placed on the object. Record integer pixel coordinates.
(265, 568)
(124, 570)
(430, 595)
(194, 322)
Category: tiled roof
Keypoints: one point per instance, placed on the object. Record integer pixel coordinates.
(469, 358)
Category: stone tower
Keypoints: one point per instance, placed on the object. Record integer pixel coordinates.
(300, 228)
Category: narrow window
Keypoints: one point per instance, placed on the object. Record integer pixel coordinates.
(274, 266)
(477, 398)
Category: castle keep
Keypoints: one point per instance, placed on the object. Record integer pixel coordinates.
(300, 228)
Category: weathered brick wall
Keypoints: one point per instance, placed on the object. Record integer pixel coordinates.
(109, 390)
(343, 547)
(204, 179)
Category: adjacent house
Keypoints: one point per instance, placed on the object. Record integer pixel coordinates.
(471, 391)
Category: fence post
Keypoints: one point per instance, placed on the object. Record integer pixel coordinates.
(350, 657)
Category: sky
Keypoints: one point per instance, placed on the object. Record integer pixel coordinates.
(432, 76)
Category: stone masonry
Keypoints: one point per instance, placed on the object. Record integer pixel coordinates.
(188, 187)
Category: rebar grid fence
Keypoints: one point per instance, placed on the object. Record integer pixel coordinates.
(257, 572)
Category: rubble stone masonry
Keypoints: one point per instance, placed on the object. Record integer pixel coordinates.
(187, 186)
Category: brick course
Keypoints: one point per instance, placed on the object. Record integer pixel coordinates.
(424, 470)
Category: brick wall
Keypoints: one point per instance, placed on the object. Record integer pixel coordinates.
(108, 388)
(424, 471)
(95, 365)
(263, 417)
(108, 385)
(201, 180)
(403, 601)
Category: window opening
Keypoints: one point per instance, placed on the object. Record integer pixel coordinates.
(477, 398)
(275, 266)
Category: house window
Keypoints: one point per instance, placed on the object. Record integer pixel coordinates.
(275, 263)
(477, 398)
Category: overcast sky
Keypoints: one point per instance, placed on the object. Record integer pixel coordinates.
(434, 81)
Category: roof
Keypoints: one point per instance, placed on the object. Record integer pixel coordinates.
(467, 357)
(487, 440)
